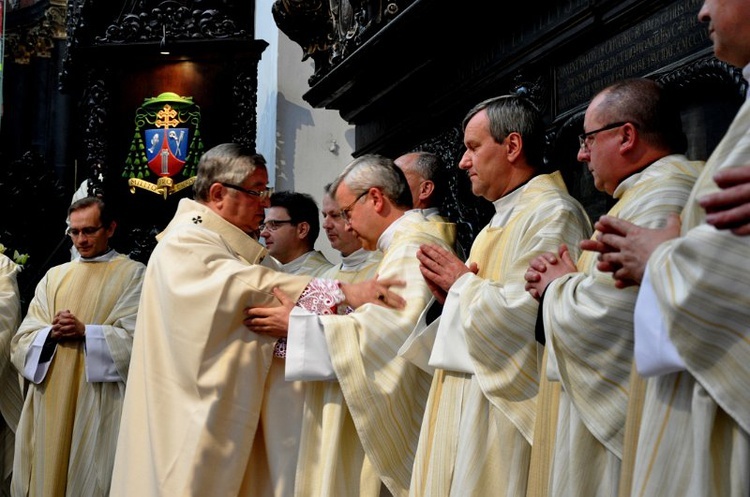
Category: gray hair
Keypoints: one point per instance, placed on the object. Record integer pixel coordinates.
(513, 113)
(370, 171)
(429, 166)
(225, 163)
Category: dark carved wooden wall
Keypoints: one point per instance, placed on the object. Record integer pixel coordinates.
(405, 72)
(106, 60)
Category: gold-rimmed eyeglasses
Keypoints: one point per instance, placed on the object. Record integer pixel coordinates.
(346, 210)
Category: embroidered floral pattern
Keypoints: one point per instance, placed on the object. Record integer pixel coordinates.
(320, 297)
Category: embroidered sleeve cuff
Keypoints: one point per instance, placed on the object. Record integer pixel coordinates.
(321, 296)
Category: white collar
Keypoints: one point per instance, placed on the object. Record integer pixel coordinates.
(504, 208)
(105, 257)
(354, 260)
(296, 264)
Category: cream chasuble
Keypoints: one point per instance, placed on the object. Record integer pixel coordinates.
(477, 430)
(190, 422)
(10, 386)
(386, 394)
(332, 460)
(312, 263)
(589, 323)
(68, 429)
(694, 429)
(281, 414)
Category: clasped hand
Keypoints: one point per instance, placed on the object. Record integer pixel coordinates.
(545, 268)
(440, 269)
(65, 326)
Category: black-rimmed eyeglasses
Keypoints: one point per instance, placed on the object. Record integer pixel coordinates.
(346, 210)
(273, 225)
(585, 139)
(262, 194)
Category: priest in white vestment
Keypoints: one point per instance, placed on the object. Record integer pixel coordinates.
(478, 426)
(290, 230)
(631, 143)
(73, 348)
(10, 386)
(692, 314)
(336, 464)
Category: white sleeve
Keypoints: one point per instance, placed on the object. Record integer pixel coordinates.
(654, 352)
(418, 346)
(450, 351)
(100, 367)
(33, 370)
(307, 357)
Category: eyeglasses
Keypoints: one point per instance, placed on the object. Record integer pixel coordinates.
(274, 225)
(262, 194)
(585, 139)
(346, 210)
(88, 231)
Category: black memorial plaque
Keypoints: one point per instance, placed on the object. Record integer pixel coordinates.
(667, 36)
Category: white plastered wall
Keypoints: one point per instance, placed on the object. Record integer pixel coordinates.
(308, 147)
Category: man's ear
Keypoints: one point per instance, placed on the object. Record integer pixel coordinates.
(303, 229)
(629, 137)
(111, 229)
(378, 199)
(216, 193)
(426, 189)
(515, 146)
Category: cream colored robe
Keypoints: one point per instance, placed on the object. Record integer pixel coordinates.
(477, 430)
(694, 431)
(332, 460)
(283, 401)
(313, 263)
(195, 395)
(386, 394)
(589, 325)
(67, 434)
(10, 387)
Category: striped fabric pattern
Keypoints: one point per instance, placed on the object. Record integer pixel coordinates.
(332, 460)
(10, 389)
(694, 431)
(589, 323)
(477, 432)
(68, 429)
(385, 393)
(315, 264)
